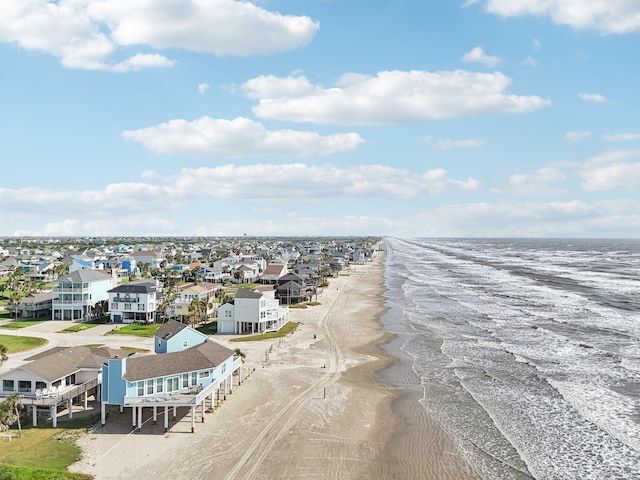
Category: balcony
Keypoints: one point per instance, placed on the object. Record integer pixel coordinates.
(125, 299)
(190, 397)
(61, 395)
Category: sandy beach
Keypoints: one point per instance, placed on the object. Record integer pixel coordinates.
(310, 405)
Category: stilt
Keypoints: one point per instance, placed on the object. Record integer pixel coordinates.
(70, 408)
(121, 408)
(174, 411)
(203, 402)
(103, 413)
(139, 418)
(54, 415)
(155, 414)
(193, 418)
(166, 418)
(34, 410)
(133, 416)
(86, 400)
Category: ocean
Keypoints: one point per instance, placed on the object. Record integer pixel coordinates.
(527, 351)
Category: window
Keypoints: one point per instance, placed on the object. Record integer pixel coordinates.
(24, 386)
(127, 306)
(8, 385)
(141, 307)
(149, 387)
(114, 306)
(204, 374)
(223, 368)
(141, 389)
(159, 385)
(185, 343)
(185, 380)
(194, 379)
(172, 384)
(227, 313)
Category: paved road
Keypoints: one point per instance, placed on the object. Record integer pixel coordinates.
(51, 331)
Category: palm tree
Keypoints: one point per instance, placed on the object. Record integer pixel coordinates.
(9, 413)
(239, 353)
(3, 354)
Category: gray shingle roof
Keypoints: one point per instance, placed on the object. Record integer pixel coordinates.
(170, 329)
(86, 275)
(59, 362)
(200, 357)
(247, 293)
(138, 287)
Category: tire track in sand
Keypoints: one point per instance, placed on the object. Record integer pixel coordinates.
(264, 441)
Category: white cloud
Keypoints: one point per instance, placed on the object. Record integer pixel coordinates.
(478, 55)
(312, 183)
(577, 136)
(530, 62)
(540, 182)
(537, 45)
(621, 137)
(606, 17)
(468, 3)
(239, 137)
(573, 218)
(86, 33)
(123, 208)
(447, 143)
(593, 97)
(140, 61)
(303, 225)
(612, 171)
(203, 87)
(389, 97)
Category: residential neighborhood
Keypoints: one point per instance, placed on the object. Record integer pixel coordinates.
(233, 286)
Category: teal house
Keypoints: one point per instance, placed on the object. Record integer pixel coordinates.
(187, 370)
(174, 336)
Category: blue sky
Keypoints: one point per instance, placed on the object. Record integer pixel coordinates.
(324, 117)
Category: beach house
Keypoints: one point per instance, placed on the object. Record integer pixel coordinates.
(178, 375)
(76, 294)
(134, 302)
(252, 311)
(58, 377)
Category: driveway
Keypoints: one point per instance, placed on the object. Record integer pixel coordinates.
(51, 331)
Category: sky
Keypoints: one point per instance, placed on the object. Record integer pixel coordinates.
(405, 118)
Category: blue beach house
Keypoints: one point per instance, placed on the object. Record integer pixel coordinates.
(174, 336)
(187, 370)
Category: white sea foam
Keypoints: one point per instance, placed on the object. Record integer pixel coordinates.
(539, 352)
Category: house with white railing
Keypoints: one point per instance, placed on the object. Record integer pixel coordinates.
(57, 378)
(76, 294)
(195, 376)
(135, 302)
(252, 311)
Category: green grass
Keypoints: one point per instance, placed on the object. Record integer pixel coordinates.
(288, 328)
(314, 304)
(297, 305)
(132, 349)
(13, 325)
(137, 330)
(9, 472)
(78, 327)
(44, 453)
(208, 328)
(17, 343)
